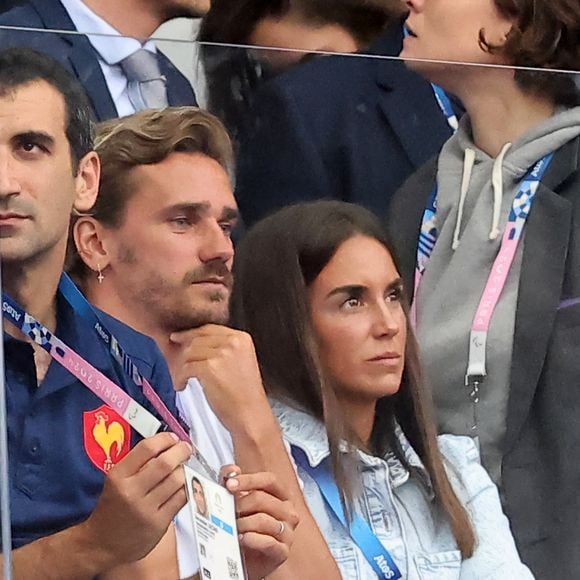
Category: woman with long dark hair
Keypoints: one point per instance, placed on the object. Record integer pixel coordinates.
(318, 290)
(489, 232)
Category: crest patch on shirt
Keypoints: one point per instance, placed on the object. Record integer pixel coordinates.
(106, 436)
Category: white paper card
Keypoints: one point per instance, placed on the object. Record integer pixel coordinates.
(213, 513)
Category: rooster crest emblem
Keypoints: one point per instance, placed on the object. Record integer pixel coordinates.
(107, 437)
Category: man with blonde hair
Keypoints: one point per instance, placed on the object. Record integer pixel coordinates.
(156, 251)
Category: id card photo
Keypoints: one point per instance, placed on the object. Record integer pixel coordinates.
(213, 512)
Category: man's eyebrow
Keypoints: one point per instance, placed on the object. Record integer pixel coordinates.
(230, 214)
(199, 208)
(203, 207)
(39, 137)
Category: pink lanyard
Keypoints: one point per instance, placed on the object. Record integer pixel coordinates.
(145, 423)
(476, 367)
(136, 415)
(82, 307)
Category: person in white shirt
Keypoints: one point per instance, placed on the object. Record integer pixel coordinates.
(156, 250)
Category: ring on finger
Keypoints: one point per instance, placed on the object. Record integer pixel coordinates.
(282, 528)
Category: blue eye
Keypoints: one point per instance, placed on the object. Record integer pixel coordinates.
(180, 222)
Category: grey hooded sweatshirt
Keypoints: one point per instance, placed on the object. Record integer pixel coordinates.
(474, 200)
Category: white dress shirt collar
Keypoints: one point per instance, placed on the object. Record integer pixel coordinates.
(106, 40)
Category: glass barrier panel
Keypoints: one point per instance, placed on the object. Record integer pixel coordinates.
(456, 159)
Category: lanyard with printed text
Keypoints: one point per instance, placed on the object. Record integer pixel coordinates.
(359, 530)
(136, 415)
(80, 305)
(520, 210)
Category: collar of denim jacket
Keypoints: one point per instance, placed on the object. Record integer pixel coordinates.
(309, 434)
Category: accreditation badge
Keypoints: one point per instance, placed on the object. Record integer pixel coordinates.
(213, 512)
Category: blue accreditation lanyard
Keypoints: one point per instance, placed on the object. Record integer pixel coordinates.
(80, 305)
(359, 530)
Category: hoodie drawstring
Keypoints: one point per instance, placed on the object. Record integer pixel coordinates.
(468, 161)
(497, 185)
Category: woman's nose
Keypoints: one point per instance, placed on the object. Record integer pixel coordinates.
(387, 321)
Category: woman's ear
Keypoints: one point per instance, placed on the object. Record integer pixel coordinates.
(88, 239)
(87, 182)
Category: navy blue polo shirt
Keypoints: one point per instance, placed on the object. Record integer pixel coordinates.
(62, 439)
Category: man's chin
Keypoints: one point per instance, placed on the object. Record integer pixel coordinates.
(213, 314)
(220, 318)
(201, 308)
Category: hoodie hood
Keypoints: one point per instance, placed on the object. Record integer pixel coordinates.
(466, 169)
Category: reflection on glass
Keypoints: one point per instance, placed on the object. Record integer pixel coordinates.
(301, 29)
(357, 127)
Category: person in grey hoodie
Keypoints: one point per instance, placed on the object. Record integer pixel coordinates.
(488, 239)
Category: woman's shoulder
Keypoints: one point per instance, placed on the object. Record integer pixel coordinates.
(460, 450)
(302, 430)
(496, 555)
(463, 466)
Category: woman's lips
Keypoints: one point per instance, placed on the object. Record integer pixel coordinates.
(386, 359)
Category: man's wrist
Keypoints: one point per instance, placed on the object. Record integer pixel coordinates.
(72, 554)
(256, 424)
(95, 557)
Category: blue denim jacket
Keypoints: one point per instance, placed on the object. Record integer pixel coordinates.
(399, 506)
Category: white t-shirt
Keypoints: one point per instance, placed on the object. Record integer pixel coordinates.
(215, 444)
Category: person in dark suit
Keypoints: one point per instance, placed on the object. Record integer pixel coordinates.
(104, 80)
(293, 32)
(344, 127)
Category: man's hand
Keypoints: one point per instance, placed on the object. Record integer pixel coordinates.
(266, 520)
(224, 361)
(141, 495)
